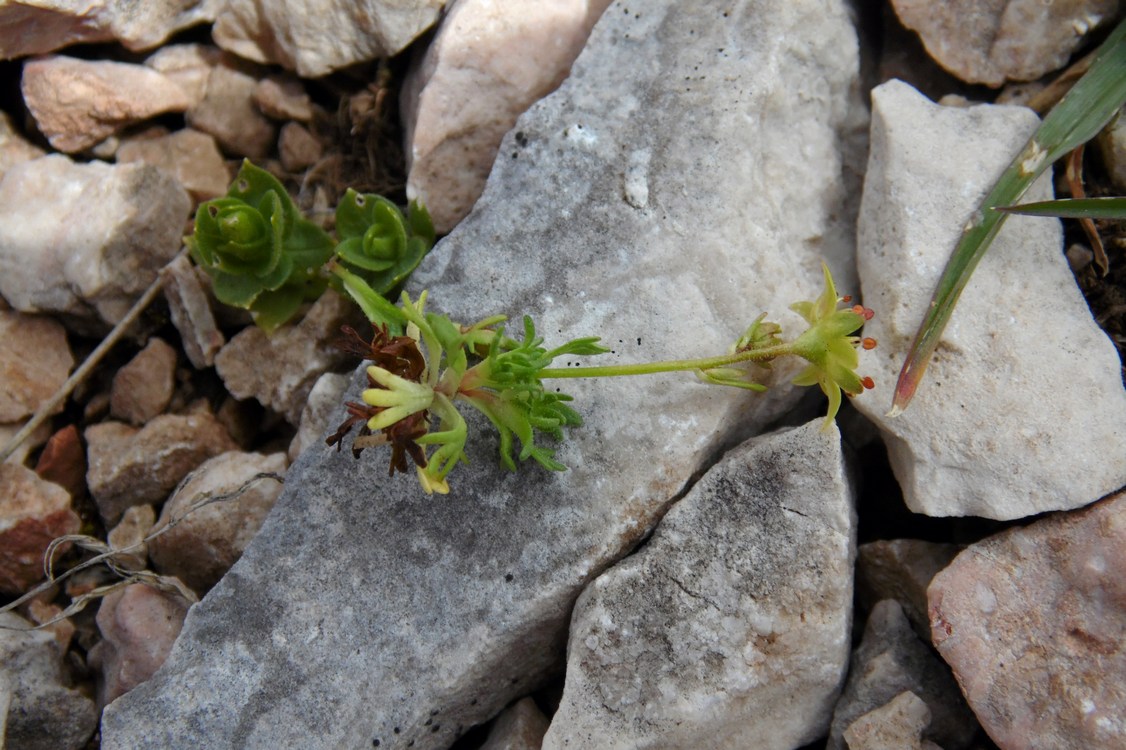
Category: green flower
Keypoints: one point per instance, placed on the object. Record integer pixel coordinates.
(396, 397)
(829, 347)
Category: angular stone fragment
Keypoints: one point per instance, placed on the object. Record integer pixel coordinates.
(33, 512)
(32, 27)
(488, 62)
(35, 360)
(897, 725)
(890, 660)
(316, 37)
(41, 712)
(129, 537)
(901, 569)
(322, 404)
(227, 112)
(14, 148)
(283, 98)
(190, 309)
(143, 387)
(731, 628)
(206, 542)
(279, 369)
(520, 727)
(743, 201)
(86, 239)
(188, 65)
(130, 466)
(298, 148)
(63, 461)
(138, 624)
(191, 156)
(1018, 386)
(1033, 622)
(77, 103)
(991, 42)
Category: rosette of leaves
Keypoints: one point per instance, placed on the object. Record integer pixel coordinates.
(378, 242)
(261, 253)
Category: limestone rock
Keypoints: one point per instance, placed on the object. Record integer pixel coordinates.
(901, 569)
(143, 387)
(471, 608)
(1033, 622)
(37, 438)
(33, 512)
(280, 369)
(14, 148)
(1017, 387)
(202, 546)
(32, 27)
(35, 360)
(191, 156)
(520, 727)
(1112, 147)
(298, 148)
(41, 712)
(188, 65)
(130, 466)
(283, 98)
(322, 404)
(227, 112)
(77, 103)
(86, 239)
(984, 41)
(488, 62)
(889, 661)
(129, 537)
(731, 628)
(63, 461)
(898, 725)
(316, 37)
(190, 309)
(138, 624)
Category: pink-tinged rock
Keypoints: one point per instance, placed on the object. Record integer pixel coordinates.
(130, 466)
(14, 148)
(280, 369)
(86, 239)
(298, 148)
(37, 438)
(227, 112)
(985, 41)
(190, 309)
(316, 37)
(129, 537)
(283, 98)
(203, 546)
(33, 512)
(63, 461)
(188, 66)
(35, 360)
(901, 569)
(139, 624)
(192, 157)
(77, 103)
(39, 710)
(1033, 622)
(520, 727)
(143, 387)
(32, 27)
(489, 61)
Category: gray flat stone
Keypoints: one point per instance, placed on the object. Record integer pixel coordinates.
(685, 179)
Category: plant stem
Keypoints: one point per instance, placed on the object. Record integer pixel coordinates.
(669, 365)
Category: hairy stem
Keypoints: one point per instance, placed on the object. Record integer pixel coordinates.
(669, 365)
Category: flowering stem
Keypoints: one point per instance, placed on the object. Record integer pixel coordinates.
(669, 365)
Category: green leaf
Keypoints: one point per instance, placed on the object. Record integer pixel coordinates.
(271, 309)
(418, 218)
(308, 245)
(351, 250)
(375, 306)
(1072, 208)
(1078, 117)
(235, 290)
(252, 184)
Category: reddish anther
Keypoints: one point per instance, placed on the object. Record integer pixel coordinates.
(868, 343)
(867, 312)
(867, 382)
(847, 298)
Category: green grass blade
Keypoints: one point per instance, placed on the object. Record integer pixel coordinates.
(1078, 117)
(1072, 208)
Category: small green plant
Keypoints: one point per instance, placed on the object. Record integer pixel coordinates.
(264, 256)
(423, 365)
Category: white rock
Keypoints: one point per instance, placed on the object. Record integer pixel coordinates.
(86, 239)
(189, 65)
(78, 103)
(520, 727)
(322, 404)
(189, 155)
(35, 360)
(1023, 381)
(488, 62)
(898, 725)
(315, 37)
(42, 714)
(982, 41)
(32, 27)
(731, 628)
